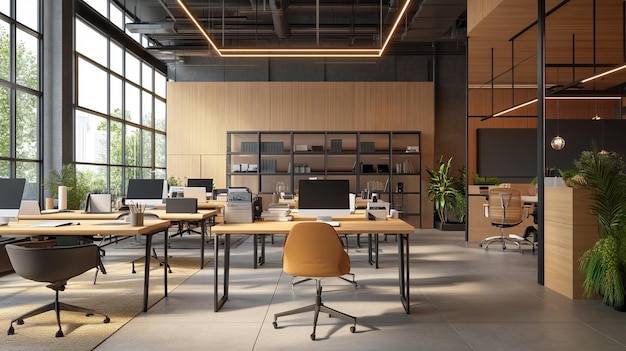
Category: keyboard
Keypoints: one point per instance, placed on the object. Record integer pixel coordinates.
(331, 223)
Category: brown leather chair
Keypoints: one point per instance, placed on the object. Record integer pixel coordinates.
(505, 211)
(54, 265)
(313, 249)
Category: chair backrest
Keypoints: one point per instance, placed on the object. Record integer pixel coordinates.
(313, 249)
(505, 206)
(52, 264)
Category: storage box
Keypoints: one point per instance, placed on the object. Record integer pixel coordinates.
(238, 212)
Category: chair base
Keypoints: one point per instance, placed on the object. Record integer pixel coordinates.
(499, 239)
(351, 281)
(317, 307)
(58, 307)
(523, 240)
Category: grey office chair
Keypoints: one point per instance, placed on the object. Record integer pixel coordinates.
(313, 249)
(54, 265)
(505, 211)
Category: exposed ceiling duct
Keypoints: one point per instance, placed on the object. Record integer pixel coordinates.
(279, 16)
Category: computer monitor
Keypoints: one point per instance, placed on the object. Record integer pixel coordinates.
(11, 191)
(207, 183)
(149, 192)
(324, 199)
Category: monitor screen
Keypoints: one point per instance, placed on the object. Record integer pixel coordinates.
(324, 198)
(207, 183)
(150, 192)
(12, 190)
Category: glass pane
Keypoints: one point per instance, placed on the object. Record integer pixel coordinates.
(146, 149)
(159, 115)
(27, 12)
(136, 36)
(91, 138)
(30, 171)
(4, 52)
(146, 109)
(159, 151)
(115, 96)
(160, 84)
(92, 87)
(5, 169)
(98, 5)
(115, 148)
(116, 58)
(116, 17)
(26, 126)
(5, 7)
(159, 174)
(146, 76)
(132, 112)
(147, 173)
(133, 146)
(131, 173)
(27, 60)
(5, 123)
(91, 43)
(96, 177)
(132, 68)
(116, 182)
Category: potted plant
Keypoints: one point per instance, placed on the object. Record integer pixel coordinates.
(448, 195)
(76, 182)
(604, 264)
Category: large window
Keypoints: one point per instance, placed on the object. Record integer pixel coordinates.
(20, 93)
(120, 108)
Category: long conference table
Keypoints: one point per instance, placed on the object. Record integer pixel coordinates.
(202, 216)
(90, 227)
(347, 225)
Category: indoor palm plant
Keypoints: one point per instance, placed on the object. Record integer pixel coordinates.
(604, 264)
(447, 192)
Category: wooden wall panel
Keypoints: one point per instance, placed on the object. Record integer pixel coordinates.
(200, 114)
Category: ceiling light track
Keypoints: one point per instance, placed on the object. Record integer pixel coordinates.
(301, 52)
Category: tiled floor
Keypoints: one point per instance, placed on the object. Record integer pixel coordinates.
(462, 298)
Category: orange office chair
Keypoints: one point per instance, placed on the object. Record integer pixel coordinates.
(505, 211)
(54, 265)
(314, 250)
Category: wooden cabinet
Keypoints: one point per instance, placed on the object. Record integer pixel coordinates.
(388, 163)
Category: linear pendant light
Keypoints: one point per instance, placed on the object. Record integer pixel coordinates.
(301, 52)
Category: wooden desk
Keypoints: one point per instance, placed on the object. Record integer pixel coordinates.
(99, 227)
(202, 216)
(347, 225)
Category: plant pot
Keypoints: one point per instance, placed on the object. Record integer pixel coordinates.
(449, 226)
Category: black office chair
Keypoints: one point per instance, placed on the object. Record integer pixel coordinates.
(54, 265)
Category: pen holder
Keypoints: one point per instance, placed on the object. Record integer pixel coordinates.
(136, 219)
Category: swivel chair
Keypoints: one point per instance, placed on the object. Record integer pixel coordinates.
(54, 265)
(505, 211)
(313, 249)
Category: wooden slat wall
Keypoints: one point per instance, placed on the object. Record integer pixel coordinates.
(200, 114)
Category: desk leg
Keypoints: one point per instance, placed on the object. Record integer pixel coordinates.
(372, 249)
(166, 259)
(146, 273)
(218, 302)
(202, 235)
(403, 269)
(255, 257)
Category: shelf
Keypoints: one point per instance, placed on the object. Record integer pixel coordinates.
(331, 155)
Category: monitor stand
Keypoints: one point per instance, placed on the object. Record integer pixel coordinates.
(328, 220)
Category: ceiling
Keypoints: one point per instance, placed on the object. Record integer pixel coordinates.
(502, 44)
(290, 24)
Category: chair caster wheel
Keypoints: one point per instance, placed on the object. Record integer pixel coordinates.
(11, 331)
(313, 336)
(107, 320)
(275, 325)
(59, 334)
(20, 321)
(352, 329)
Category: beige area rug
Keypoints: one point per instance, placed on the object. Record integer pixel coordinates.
(119, 294)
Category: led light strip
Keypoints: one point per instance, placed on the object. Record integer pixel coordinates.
(284, 52)
(530, 102)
